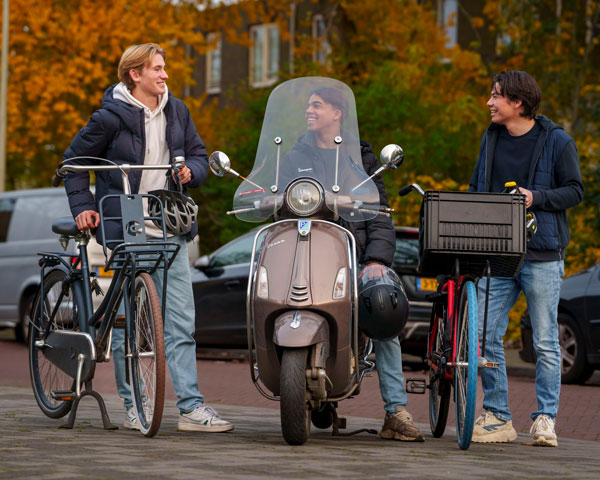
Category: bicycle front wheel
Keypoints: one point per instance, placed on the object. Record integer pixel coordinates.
(58, 312)
(439, 387)
(465, 371)
(147, 356)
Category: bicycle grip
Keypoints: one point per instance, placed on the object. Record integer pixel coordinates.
(405, 190)
(57, 179)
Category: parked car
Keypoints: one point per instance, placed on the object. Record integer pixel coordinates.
(220, 282)
(579, 326)
(26, 218)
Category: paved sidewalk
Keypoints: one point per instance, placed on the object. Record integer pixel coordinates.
(31, 446)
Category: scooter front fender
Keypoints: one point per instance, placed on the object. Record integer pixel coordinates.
(300, 328)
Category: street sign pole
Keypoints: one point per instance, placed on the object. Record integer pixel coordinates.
(3, 93)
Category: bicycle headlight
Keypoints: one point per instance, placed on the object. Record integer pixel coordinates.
(304, 197)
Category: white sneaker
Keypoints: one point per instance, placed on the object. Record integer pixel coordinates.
(543, 432)
(131, 421)
(203, 419)
(490, 429)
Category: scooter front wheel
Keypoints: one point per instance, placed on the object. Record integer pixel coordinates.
(295, 414)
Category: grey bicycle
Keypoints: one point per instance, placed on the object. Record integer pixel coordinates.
(67, 338)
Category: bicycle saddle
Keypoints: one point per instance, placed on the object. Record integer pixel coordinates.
(65, 226)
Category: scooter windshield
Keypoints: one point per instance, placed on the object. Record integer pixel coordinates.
(310, 130)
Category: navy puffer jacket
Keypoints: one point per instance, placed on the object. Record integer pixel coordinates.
(554, 180)
(116, 132)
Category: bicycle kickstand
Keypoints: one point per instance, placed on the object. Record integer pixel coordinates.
(105, 418)
(77, 395)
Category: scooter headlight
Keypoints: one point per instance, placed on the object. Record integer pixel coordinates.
(304, 197)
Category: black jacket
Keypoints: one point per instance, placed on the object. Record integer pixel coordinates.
(116, 132)
(375, 238)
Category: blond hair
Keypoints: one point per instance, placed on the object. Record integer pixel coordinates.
(136, 57)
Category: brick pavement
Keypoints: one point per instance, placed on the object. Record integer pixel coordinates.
(578, 418)
(31, 446)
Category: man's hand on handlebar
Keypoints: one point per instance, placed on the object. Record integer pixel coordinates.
(184, 174)
(87, 219)
(528, 196)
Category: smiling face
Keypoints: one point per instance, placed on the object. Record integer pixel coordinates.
(321, 115)
(502, 109)
(151, 80)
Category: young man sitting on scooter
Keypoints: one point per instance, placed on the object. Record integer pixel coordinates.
(375, 240)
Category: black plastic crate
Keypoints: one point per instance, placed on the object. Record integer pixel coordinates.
(473, 227)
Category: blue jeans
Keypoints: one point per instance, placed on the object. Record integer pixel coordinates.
(540, 282)
(388, 358)
(180, 346)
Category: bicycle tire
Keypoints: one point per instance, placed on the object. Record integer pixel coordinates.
(45, 376)
(439, 388)
(147, 356)
(465, 376)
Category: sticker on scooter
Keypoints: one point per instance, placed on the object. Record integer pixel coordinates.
(304, 227)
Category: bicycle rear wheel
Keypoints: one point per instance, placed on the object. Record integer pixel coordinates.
(58, 312)
(439, 388)
(465, 372)
(147, 356)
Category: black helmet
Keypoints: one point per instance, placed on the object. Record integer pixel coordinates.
(382, 303)
(180, 211)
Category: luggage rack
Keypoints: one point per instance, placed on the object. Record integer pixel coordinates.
(134, 247)
(150, 256)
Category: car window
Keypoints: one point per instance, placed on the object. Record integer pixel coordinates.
(33, 216)
(407, 252)
(236, 252)
(7, 206)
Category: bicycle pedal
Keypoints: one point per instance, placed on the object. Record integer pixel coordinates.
(119, 321)
(416, 385)
(63, 395)
(483, 363)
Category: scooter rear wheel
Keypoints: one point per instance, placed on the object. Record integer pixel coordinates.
(295, 414)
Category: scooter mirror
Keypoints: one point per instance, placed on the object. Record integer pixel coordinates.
(392, 156)
(219, 163)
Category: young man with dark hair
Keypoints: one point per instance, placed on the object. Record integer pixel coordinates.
(325, 113)
(536, 153)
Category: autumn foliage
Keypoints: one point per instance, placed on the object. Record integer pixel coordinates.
(410, 88)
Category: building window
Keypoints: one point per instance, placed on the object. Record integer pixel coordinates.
(319, 33)
(448, 17)
(264, 55)
(213, 63)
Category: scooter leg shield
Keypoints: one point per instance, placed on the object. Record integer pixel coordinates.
(300, 328)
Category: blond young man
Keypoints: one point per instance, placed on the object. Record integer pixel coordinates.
(141, 122)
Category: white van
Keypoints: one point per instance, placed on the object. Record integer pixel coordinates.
(26, 218)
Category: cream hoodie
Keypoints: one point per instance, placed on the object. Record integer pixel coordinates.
(157, 151)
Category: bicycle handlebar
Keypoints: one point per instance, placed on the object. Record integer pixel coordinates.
(63, 169)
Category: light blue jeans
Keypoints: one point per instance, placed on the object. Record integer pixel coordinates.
(540, 282)
(180, 346)
(388, 358)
